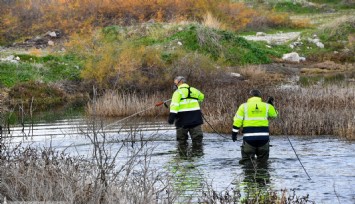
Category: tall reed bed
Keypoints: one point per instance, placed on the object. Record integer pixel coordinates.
(317, 111)
(302, 111)
(114, 103)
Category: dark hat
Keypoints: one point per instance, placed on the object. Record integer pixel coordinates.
(255, 92)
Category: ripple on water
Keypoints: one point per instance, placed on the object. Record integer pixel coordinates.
(330, 162)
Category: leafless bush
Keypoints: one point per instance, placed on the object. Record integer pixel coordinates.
(31, 174)
(251, 196)
(44, 174)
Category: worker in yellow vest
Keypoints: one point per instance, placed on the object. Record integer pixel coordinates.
(252, 117)
(185, 112)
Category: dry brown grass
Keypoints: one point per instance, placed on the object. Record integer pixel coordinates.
(306, 111)
(28, 172)
(253, 72)
(256, 74)
(312, 110)
(210, 21)
(114, 103)
(328, 67)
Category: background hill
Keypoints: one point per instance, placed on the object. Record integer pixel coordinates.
(141, 45)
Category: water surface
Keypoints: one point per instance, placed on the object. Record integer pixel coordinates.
(330, 162)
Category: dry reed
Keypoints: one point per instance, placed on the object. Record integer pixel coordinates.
(210, 21)
(302, 111)
(113, 103)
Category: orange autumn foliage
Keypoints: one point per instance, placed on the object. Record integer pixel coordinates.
(32, 17)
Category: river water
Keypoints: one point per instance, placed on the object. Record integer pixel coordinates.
(329, 161)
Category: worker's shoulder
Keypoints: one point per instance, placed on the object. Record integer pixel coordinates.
(242, 105)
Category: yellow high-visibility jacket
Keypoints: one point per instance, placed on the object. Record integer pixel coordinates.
(253, 116)
(185, 107)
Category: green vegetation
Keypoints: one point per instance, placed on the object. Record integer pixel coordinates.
(311, 7)
(331, 79)
(222, 44)
(46, 69)
(296, 8)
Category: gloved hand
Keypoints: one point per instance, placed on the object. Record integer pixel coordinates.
(171, 118)
(270, 100)
(234, 136)
(166, 105)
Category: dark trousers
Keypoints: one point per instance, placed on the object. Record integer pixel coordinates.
(249, 152)
(185, 150)
(182, 135)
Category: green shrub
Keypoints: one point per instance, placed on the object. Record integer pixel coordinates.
(47, 69)
(12, 73)
(219, 44)
(334, 79)
(295, 8)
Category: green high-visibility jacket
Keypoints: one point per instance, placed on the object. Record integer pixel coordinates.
(185, 107)
(253, 116)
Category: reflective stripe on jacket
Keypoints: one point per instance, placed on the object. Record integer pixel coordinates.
(253, 117)
(185, 107)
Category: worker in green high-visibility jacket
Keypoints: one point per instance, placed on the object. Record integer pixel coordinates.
(252, 117)
(185, 112)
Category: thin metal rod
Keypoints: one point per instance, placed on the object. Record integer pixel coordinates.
(284, 125)
(214, 129)
(298, 157)
(118, 121)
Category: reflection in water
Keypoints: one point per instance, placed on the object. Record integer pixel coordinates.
(188, 179)
(256, 179)
(189, 152)
(256, 174)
